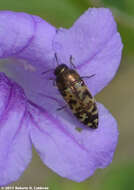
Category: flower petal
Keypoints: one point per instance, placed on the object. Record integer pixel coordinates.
(72, 154)
(29, 37)
(95, 44)
(94, 52)
(15, 145)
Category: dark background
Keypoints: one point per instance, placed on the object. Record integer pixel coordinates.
(118, 97)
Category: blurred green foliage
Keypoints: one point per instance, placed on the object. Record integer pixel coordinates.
(120, 4)
(58, 12)
(127, 6)
(119, 178)
(127, 35)
(58, 183)
(123, 11)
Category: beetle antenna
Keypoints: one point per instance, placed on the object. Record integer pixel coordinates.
(47, 71)
(56, 58)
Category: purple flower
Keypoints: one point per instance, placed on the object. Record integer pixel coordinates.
(28, 100)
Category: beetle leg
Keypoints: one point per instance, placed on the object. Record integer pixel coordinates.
(72, 62)
(44, 72)
(61, 108)
(88, 76)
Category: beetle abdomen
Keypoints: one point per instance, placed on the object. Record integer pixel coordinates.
(79, 99)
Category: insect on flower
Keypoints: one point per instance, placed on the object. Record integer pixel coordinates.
(76, 94)
(27, 119)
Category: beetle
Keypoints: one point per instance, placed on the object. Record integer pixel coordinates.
(76, 94)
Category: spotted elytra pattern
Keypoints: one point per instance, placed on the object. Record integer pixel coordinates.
(77, 96)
